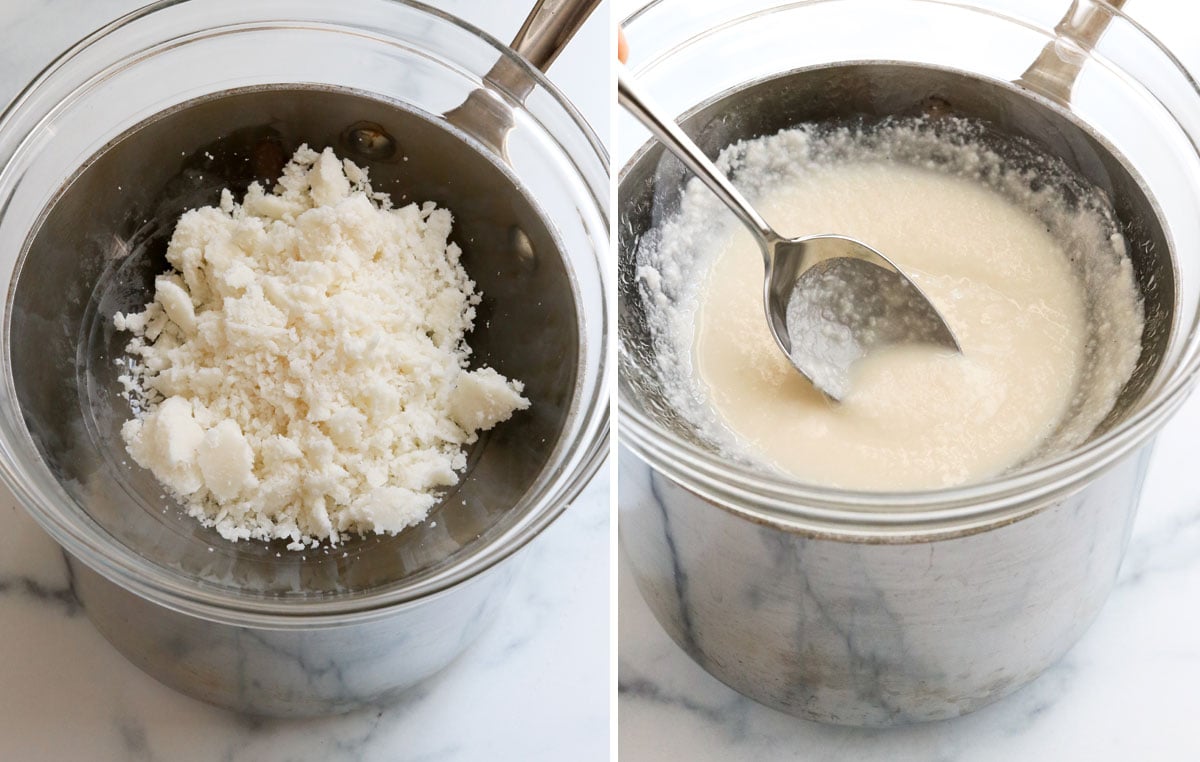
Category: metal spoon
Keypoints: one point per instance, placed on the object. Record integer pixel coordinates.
(829, 299)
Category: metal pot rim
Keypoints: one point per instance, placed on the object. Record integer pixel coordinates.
(86, 541)
(787, 503)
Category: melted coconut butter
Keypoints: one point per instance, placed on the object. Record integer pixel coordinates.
(915, 417)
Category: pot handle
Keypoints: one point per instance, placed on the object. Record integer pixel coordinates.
(546, 31)
(1054, 72)
(549, 27)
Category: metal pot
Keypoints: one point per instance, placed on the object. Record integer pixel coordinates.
(153, 115)
(874, 608)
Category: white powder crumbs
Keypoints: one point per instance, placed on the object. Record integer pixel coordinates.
(301, 371)
(673, 260)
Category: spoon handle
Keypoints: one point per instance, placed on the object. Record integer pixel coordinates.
(693, 158)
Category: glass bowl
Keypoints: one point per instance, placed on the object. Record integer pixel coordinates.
(1128, 88)
(887, 608)
(187, 73)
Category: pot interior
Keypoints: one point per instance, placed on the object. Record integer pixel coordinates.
(103, 239)
(652, 183)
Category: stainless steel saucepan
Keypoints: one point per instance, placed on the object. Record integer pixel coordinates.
(154, 115)
(885, 608)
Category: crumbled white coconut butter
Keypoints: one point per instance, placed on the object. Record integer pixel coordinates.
(301, 372)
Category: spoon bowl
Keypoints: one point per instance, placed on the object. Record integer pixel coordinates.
(829, 299)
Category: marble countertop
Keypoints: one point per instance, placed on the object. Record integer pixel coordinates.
(1126, 691)
(534, 687)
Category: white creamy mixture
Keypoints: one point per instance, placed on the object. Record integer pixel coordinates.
(1011, 288)
(301, 373)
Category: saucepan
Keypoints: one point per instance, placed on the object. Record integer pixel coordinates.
(872, 608)
(155, 114)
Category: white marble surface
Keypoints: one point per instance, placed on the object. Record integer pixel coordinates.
(535, 687)
(1127, 691)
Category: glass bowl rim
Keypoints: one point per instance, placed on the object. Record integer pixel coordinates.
(785, 502)
(91, 544)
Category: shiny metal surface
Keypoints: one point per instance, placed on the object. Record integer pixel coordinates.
(832, 629)
(828, 299)
(253, 626)
(1056, 68)
(322, 668)
(548, 29)
(838, 300)
(488, 111)
(860, 92)
(890, 608)
(97, 253)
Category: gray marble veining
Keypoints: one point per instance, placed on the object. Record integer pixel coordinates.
(874, 634)
(1124, 691)
(546, 647)
(289, 672)
(66, 694)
